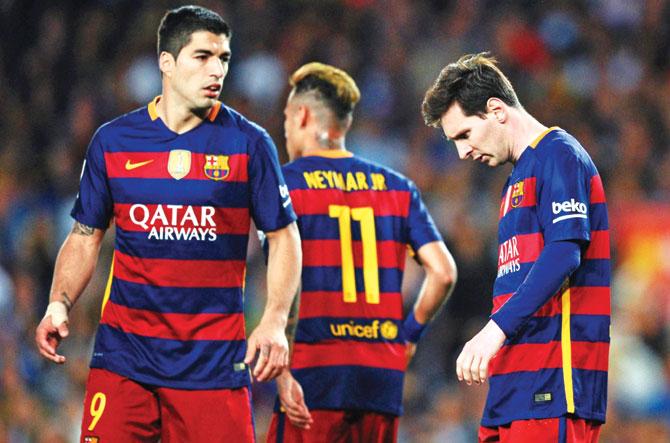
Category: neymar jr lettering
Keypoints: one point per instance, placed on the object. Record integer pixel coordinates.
(351, 181)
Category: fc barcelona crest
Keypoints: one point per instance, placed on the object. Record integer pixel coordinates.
(217, 167)
(179, 163)
(517, 194)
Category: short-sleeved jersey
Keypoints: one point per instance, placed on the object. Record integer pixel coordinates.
(356, 220)
(172, 314)
(557, 362)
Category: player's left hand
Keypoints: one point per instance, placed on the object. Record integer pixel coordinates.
(472, 365)
(270, 342)
(292, 401)
(410, 350)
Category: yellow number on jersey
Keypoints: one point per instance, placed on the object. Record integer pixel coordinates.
(97, 408)
(366, 217)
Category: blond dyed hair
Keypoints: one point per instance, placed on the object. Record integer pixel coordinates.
(332, 85)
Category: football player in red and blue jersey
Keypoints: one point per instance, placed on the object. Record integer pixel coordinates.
(356, 220)
(545, 349)
(181, 179)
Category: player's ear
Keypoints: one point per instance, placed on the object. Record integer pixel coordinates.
(497, 108)
(303, 115)
(166, 63)
(346, 124)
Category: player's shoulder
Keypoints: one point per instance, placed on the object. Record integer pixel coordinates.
(560, 146)
(394, 179)
(293, 167)
(231, 119)
(293, 170)
(128, 122)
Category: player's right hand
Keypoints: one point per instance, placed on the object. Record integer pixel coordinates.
(472, 365)
(292, 401)
(51, 330)
(269, 341)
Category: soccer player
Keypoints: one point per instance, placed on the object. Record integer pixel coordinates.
(356, 220)
(545, 349)
(181, 179)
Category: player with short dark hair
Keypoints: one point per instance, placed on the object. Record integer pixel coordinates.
(181, 179)
(356, 220)
(545, 349)
(176, 27)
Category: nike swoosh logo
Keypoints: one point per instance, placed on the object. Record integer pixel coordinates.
(130, 166)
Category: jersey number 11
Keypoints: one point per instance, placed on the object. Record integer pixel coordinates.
(366, 217)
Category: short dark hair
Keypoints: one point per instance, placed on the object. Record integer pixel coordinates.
(334, 87)
(470, 82)
(178, 24)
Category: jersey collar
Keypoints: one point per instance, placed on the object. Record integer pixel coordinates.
(329, 153)
(542, 135)
(153, 114)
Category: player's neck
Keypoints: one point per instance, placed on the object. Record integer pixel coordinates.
(176, 114)
(326, 140)
(526, 130)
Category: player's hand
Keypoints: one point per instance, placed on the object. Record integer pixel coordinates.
(51, 330)
(270, 342)
(472, 365)
(410, 350)
(292, 401)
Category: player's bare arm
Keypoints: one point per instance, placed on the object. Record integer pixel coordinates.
(290, 392)
(438, 284)
(292, 323)
(82, 229)
(74, 266)
(283, 276)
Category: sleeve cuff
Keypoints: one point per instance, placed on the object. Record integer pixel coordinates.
(504, 323)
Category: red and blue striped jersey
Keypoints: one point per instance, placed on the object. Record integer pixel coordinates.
(172, 313)
(356, 220)
(557, 362)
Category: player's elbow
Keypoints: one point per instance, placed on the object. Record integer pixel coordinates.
(447, 274)
(439, 264)
(443, 271)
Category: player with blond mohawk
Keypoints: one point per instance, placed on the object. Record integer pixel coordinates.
(356, 219)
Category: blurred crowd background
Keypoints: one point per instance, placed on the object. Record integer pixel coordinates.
(598, 68)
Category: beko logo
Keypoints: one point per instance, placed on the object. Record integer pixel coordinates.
(572, 208)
